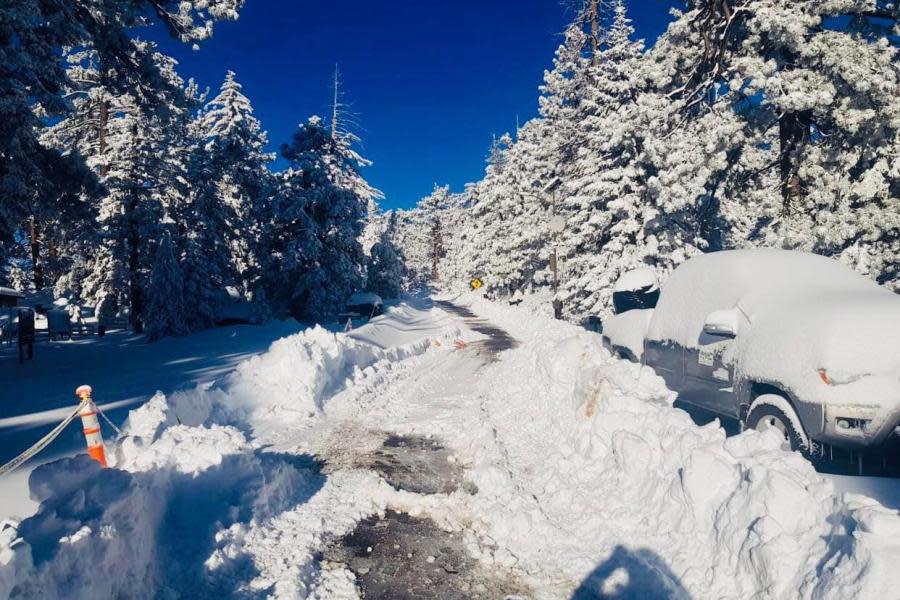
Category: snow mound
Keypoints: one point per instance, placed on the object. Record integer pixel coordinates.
(616, 475)
(294, 379)
(638, 279)
(188, 476)
(144, 528)
(628, 330)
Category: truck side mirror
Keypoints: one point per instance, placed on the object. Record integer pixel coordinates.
(724, 323)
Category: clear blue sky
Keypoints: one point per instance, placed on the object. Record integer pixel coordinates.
(429, 80)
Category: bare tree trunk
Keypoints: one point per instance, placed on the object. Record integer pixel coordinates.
(435, 263)
(335, 106)
(436, 248)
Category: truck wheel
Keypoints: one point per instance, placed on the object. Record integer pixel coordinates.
(771, 411)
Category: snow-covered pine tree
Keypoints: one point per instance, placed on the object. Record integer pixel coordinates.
(143, 168)
(166, 312)
(509, 244)
(323, 198)
(229, 186)
(431, 207)
(413, 237)
(34, 179)
(604, 208)
(387, 269)
(35, 33)
(440, 221)
(562, 94)
(816, 85)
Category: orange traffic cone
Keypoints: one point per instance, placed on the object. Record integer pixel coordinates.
(91, 425)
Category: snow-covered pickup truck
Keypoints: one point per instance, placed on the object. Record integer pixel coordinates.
(776, 339)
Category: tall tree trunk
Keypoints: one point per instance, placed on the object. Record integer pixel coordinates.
(436, 245)
(594, 18)
(136, 290)
(793, 134)
(101, 136)
(52, 263)
(335, 107)
(37, 267)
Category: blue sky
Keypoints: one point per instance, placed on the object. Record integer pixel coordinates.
(430, 81)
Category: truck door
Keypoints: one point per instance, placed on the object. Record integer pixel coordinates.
(667, 359)
(709, 375)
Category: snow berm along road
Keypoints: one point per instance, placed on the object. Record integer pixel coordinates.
(581, 479)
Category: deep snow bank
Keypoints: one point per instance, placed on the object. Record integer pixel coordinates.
(189, 467)
(588, 481)
(143, 529)
(599, 474)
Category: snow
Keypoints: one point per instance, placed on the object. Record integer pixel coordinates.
(125, 372)
(586, 478)
(797, 314)
(364, 298)
(638, 279)
(628, 330)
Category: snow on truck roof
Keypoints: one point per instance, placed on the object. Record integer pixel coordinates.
(721, 280)
(637, 279)
(804, 312)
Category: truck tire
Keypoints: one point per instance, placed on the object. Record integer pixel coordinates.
(771, 411)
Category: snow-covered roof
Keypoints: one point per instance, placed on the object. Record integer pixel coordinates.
(751, 278)
(364, 298)
(637, 279)
(5, 291)
(798, 313)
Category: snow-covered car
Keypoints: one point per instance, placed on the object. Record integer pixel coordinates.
(779, 339)
(364, 304)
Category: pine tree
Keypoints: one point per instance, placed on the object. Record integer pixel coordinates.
(143, 166)
(387, 271)
(432, 206)
(166, 312)
(34, 33)
(229, 184)
(822, 97)
(604, 208)
(323, 198)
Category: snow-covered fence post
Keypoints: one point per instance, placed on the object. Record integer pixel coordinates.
(91, 425)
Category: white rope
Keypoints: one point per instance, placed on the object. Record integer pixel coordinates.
(40, 445)
(111, 424)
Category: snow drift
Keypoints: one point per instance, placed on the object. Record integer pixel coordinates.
(588, 481)
(186, 468)
(611, 468)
